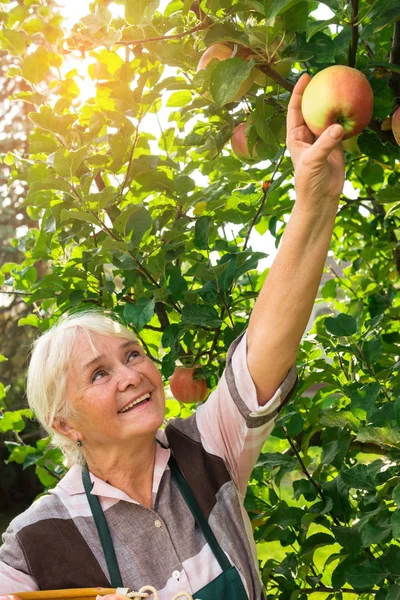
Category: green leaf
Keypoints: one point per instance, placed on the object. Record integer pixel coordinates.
(379, 435)
(367, 574)
(32, 320)
(304, 487)
(260, 116)
(359, 477)
(316, 541)
(396, 494)
(372, 349)
(270, 460)
(374, 533)
(13, 42)
(138, 224)
(48, 120)
(67, 215)
(139, 314)
(276, 7)
(13, 421)
(345, 418)
(140, 11)
(393, 592)
(197, 314)
(67, 163)
(176, 284)
(202, 232)
(19, 454)
(396, 523)
(177, 99)
(349, 538)
(342, 325)
(314, 27)
(363, 398)
(35, 66)
(389, 194)
(228, 77)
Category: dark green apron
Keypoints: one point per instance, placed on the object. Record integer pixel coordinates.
(227, 586)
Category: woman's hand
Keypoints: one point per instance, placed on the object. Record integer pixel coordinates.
(318, 162)
(10, 597)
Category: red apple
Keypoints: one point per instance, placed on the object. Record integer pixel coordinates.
(223, 52)
(338, 94)
(396, 125)
(239, 144)
(186, 389)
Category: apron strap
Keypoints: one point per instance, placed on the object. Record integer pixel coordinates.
(103, 530)
(194, 508)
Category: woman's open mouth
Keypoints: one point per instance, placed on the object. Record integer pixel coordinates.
(142, 400)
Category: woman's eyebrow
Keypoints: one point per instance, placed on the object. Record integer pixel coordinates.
(101, 356)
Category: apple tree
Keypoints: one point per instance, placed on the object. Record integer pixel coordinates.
(147, 198)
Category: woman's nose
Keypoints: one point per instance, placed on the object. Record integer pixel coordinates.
(128, 375)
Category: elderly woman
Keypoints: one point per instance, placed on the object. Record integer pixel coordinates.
(143, 505)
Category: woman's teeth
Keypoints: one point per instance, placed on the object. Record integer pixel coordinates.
(137, 401)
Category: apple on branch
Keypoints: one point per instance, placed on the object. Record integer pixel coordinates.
(221, 52)
(338, 94)
(396, 125)
(239, 145)
(186, 389)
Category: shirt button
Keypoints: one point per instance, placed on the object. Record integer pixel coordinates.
(176, 574)
(157, 523)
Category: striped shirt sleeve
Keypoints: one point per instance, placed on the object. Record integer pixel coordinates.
(231, 423)
(16, 578)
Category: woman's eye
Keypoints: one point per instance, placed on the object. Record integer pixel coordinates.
(96, 374)
(134, 354)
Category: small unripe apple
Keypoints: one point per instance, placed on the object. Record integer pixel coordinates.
(186, 389)
(223, 52)
(396, 125)
(386, 124)
(338, 94)
(282, 67)
(240, 146)
(351, 145)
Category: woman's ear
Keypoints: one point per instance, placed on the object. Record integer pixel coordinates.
(62, 427)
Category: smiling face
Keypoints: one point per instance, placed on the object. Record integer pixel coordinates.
(101, 383)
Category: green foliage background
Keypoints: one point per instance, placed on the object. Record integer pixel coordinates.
(116, 217)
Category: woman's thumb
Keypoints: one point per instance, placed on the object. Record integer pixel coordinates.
(326, 142)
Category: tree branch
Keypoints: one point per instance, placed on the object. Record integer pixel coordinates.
(276, 77)
(354, 34)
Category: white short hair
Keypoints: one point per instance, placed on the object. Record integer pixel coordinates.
(48, 370)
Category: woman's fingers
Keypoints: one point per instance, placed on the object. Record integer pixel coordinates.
(295, 116)
(327, 141)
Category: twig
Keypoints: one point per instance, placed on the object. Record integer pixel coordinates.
(263, 199)
(17, 293)
(303, 467)
(131, 157)
(324, 588)
(205, 24)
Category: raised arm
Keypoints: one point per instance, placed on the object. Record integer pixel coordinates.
(285, 302)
